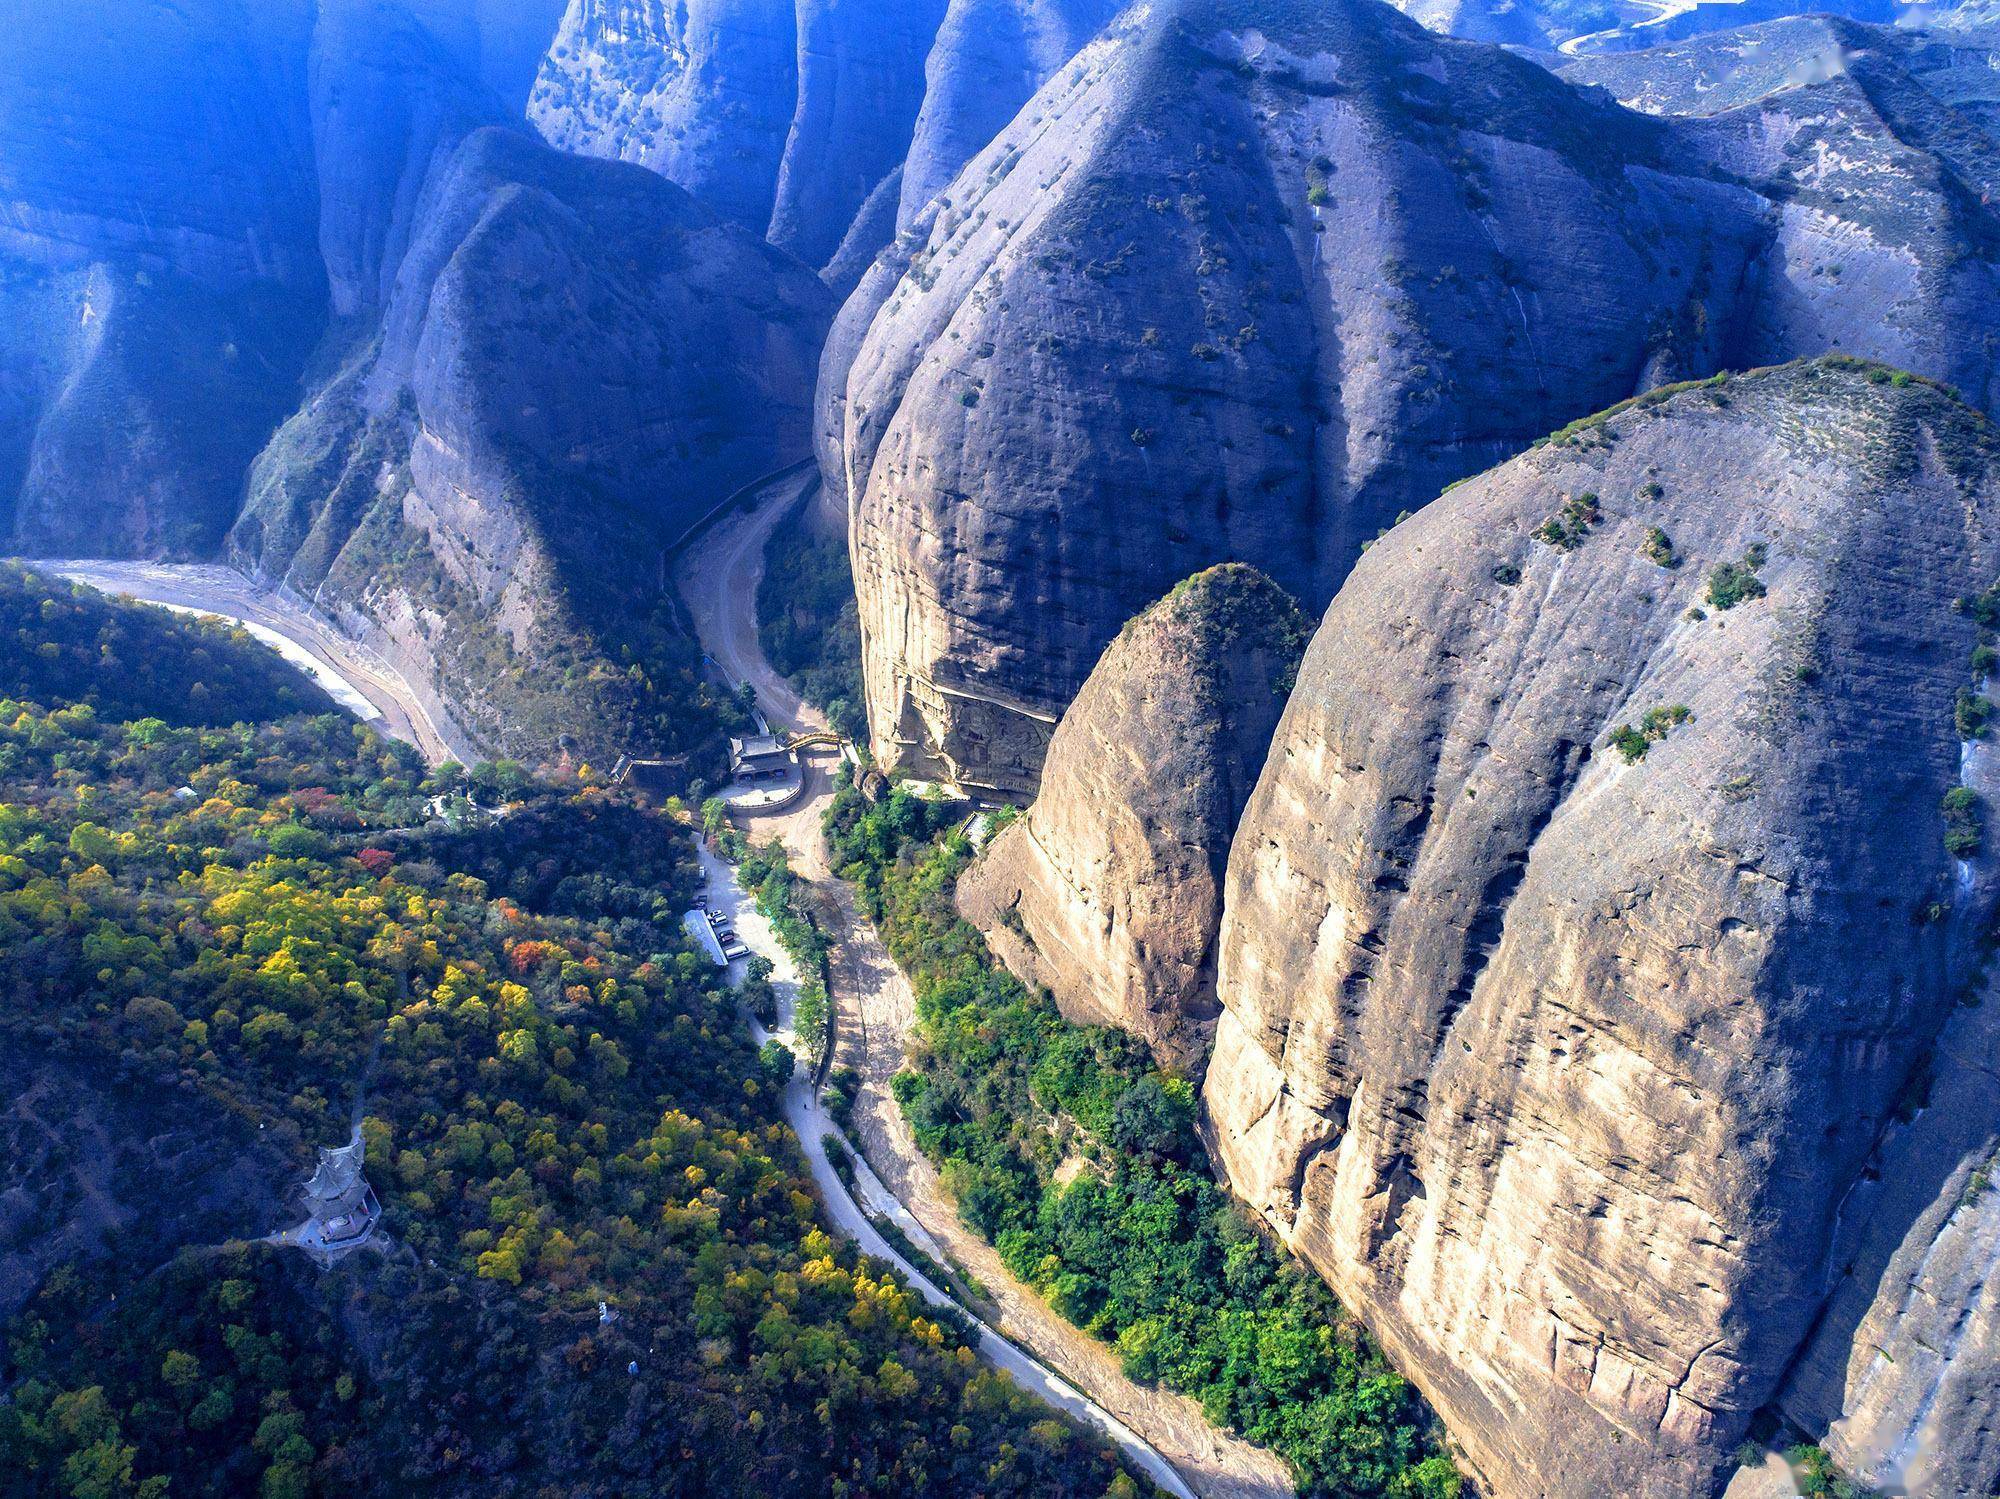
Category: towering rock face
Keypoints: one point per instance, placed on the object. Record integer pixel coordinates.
(576, 360)
(826, 124)
(702, 93)
(389, 104)
(1584, 938)
(159, 284)
(788, 115)
(1245, 281)
(989, 58)
(1877, 150)
(861, 78)
(499, 42)
(1108, 892)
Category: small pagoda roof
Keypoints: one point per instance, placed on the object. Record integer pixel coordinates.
(337, 1173)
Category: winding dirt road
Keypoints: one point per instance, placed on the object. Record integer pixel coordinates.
(875, 1011)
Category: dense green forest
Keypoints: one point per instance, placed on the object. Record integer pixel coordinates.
(227, 934)
(1140, 1247)
(808, 622)
(60, 644)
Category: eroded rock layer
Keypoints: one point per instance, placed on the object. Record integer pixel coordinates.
(1108, 891)
(826, 126)
(1593, 915)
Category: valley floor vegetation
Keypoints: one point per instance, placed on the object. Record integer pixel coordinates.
(809, 625)
(228, 931)
(1079, 1160)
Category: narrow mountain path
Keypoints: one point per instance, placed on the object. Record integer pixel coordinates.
(875, 1012)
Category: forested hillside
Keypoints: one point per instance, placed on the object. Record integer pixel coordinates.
(59, 643)
(220, 942)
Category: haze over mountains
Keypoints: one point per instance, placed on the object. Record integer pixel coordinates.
(1582, 948)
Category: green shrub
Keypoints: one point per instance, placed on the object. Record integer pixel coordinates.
(1658, 548)
(1971, 714)
(1964, 822)
(1142, 1249)
(808, 624)
(1570, 525)
(1654, 725)
(1733, 583)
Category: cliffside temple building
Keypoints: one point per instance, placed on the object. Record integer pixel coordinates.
(341, 1208)
(761, 757)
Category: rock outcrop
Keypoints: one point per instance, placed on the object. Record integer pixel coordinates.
(576, 360)
(1241, 283)
(989, 58)
(786, 114)
(1108, 891)
(703, 94)
(1884, 178)
(825, 126)
(1247, 282)
(1599, 909)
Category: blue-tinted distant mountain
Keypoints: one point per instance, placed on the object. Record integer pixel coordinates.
(1585, 27)
(1957, 65)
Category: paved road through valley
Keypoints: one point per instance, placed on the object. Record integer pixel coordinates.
(1162, 1432)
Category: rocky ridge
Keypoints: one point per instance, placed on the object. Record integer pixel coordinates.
(1547, 1033)
(1249, 280)
(1108, 890)
(485, 515)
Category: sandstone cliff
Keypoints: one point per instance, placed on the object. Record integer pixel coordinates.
(1593, 919)
(787, 114)
(575, 361)
(1108, 891)
(1248, 280)
(1244, 281)
(1876, 149)
(989, 58)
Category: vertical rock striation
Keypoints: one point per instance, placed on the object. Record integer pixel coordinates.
(824, 124)
(1108, 891)
(1243, 282)
(1585, 937)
